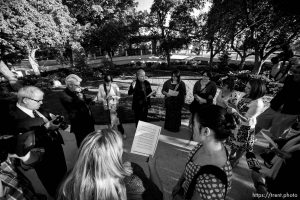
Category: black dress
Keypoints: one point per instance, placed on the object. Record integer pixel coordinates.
(80, 115)
(174, 105)
(140, 101)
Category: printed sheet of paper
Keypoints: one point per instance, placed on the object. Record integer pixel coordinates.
(173, 93)
(145, 139)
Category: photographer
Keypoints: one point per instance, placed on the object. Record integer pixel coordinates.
(13, 184)
(27, 115)
(76, 104)
(278, 180)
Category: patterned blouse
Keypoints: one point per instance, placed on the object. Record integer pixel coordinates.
(207, 186)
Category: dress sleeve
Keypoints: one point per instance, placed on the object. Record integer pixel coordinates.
(165, 87)
(210, 187)
(255, 108)
(196, 87)
(100, 97)
(183, 88)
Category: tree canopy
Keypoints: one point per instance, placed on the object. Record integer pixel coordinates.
(29, 25)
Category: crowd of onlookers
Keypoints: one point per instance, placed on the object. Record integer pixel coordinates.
(224, 131)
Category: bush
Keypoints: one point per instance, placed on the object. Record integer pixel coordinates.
(233, 67)
(224, 59)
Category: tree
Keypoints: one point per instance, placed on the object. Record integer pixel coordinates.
(107, 24)
(214, 30)
(159, 11)
(258, 28)
(30, 25)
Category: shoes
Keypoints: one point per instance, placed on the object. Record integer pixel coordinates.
(267, 157)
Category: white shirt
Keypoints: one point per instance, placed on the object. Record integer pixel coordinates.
(30, 113)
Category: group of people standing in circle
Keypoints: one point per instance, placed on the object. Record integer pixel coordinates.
(224, 130)
(245, 109)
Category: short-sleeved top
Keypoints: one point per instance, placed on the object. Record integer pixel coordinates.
(208, 92)
(207, 185)
(250, 109)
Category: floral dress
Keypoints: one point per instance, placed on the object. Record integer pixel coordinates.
(244, 140)
(207, 186)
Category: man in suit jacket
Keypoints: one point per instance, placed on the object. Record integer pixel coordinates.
(141, 91)
(76, 104)
(26, 116)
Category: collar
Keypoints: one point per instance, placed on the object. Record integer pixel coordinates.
(25, 110)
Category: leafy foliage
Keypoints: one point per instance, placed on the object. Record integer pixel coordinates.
(33, 24)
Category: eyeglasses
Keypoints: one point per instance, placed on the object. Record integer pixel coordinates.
(38, 101)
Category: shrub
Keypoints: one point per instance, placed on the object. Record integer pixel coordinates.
(224, 59)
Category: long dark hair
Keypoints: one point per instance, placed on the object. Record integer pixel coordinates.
(107, 78)
(258, 89)
(176, 73)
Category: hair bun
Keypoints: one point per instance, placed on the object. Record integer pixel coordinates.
(230, 122)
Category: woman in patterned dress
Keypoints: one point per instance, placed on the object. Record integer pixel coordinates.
(174, 101)
(247, 109)
(211, 125)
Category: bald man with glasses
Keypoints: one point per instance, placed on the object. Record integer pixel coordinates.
(28, 115)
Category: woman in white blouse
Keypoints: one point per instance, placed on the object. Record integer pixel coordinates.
(109, 95)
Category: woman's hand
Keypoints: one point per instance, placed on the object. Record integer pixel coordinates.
(231, 110)
(133, 84)
(176, 189)
(151, 161)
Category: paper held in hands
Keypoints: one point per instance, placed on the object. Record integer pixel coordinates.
(173, 93)
(145, 139)
(152, 93)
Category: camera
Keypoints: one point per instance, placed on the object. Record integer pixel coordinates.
(61, 122)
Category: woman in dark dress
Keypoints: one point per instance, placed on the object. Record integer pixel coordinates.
(175, 92)
(204, 90)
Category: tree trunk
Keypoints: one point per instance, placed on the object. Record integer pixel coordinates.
(211, 58)
(242, 63)
(110, 56)
(168, 58)
(153, 47)
(34, 64)
(257, 62)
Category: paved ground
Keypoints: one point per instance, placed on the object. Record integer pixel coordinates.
(171, 154)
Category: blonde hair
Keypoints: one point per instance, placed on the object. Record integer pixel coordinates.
(98, 172)
(29, 92)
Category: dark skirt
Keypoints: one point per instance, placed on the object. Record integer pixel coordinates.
(173, 115)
